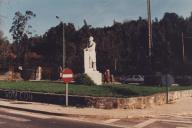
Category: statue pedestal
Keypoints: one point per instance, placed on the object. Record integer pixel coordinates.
(95, 75)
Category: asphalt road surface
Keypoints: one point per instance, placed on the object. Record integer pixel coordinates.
(18, 119)
(169, 121)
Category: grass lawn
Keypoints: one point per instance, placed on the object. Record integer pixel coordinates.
(83, 90)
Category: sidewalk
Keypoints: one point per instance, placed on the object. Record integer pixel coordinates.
(180, 107)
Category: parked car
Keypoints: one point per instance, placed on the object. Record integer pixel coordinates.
(133, 79)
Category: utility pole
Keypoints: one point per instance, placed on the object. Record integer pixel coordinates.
(149, 28)
(183, 47)
(183, 37)
(115, 64)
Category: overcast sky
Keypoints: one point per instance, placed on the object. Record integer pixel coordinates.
(98, 13)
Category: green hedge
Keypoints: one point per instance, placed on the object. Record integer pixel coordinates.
(83, 79)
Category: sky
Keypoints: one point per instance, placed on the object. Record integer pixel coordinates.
(98, 13)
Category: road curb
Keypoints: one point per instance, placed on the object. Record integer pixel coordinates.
(55, 114)
(74, 115)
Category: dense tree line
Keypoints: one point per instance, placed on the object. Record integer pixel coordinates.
(5, 51)
(122, 47)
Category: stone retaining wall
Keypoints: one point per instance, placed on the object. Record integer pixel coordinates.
(96, 102)
(140, 102)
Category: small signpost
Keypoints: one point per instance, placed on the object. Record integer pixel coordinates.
(167, 88)
(67, 77)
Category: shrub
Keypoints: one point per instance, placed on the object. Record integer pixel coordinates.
(184, 80)
(83, 79)
(26, 74)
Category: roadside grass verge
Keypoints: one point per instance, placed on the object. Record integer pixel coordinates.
(84, 90)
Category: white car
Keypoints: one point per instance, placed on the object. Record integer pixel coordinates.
(134, 79)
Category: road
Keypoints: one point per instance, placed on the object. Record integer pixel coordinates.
(158, 122)
(19, 119)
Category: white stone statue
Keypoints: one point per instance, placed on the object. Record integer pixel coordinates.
(92, 54)
(90, 62)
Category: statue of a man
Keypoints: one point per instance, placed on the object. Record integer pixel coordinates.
(92, 54)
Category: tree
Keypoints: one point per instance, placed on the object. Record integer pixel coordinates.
(20, 25)
(121, 47)
(20, 30)
(4, 50)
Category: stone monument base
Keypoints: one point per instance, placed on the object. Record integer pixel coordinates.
(96, 76)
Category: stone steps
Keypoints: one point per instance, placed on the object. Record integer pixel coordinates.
(96, 77)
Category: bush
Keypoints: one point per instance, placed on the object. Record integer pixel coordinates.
(184, 80)
(83, 79)
(26, 74)
(152, 80)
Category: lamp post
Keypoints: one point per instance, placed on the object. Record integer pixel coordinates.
(149, 27)
(64, 49)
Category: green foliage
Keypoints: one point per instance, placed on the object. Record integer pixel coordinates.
(20, 22)
(26, 73)
(4, 50)
(83, 79)
(122, 45)
(20, 31)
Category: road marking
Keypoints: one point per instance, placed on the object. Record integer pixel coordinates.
(36, 115)
(89, 121)
(110, 121)
(145, 123)
(183, 127)
(177, 121)
(14, 118)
